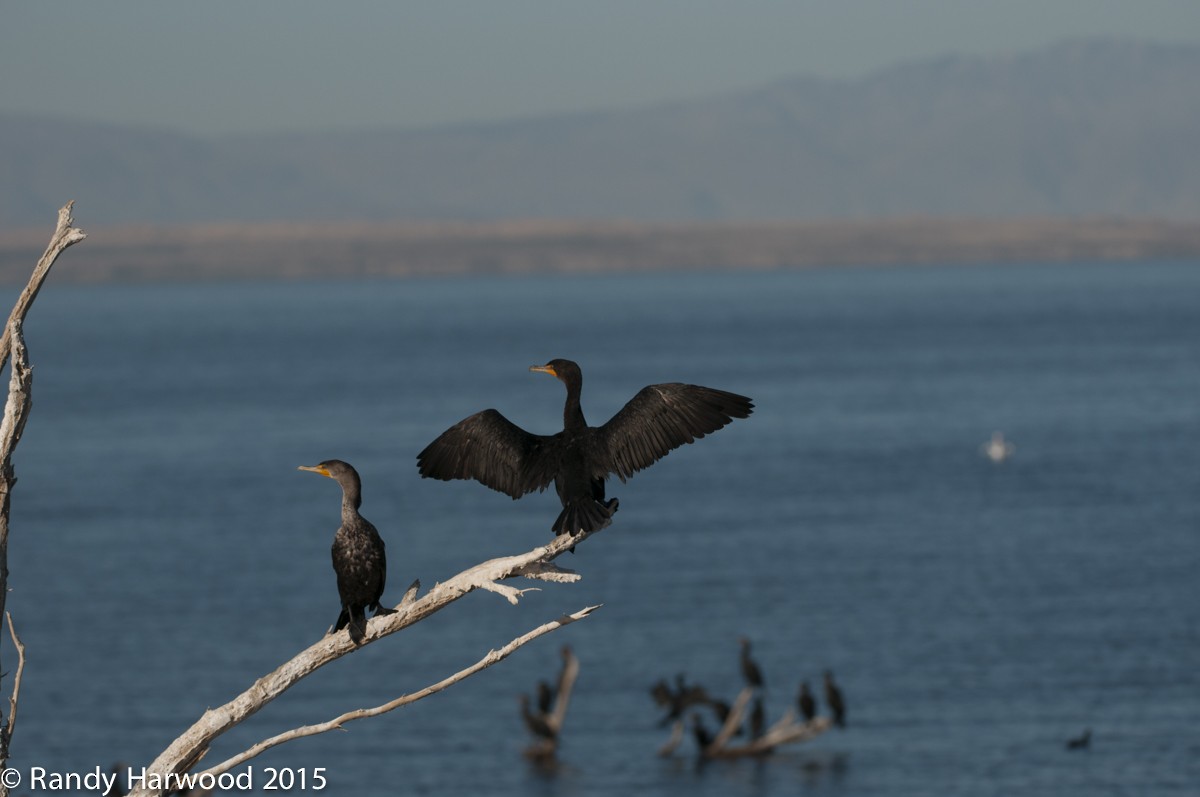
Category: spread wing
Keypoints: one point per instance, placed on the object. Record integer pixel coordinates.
(494, 451)
(661, 418)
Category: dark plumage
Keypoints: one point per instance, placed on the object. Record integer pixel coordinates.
(358, 553)
(536, 723)
(545, 697)
(833, 696)
(700, 732)
(1081, 742)
(806, 703)
(750, 670)
(758, 719)
(492, 450)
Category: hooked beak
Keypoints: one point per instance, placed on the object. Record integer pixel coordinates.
(316, 469)
(544, 369)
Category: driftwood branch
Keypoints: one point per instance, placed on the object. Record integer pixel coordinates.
(787, 730)
(337, 723)
(16, 412)
(15, 697)
(64, 235)
(543, 750)
(187, 750)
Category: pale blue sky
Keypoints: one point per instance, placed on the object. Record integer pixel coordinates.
(225, 66)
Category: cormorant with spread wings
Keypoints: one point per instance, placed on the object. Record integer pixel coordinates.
(494, 451)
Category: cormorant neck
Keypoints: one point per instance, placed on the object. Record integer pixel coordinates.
(351, 496)
(573, 411)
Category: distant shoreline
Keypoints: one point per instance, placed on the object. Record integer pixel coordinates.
(295, 250)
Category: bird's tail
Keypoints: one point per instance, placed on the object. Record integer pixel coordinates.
(584, 516)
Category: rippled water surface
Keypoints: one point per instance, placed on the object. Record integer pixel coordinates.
(165, 552)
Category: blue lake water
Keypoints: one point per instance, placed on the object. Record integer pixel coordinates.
(165, 551)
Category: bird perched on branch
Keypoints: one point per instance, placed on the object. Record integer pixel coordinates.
(536, 721)
(833, 696)
(701, 734)
(806, 703)
(494, 451)
(679, 699)
(750, 669)
(358, 553)
(545, 697)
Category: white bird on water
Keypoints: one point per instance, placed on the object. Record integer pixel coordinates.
(998, 449)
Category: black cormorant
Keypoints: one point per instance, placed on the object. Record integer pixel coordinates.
(491, 449)
(806, 703)
(536, 723)
(545, 697)
(358, 553)
(750, 670)
(833, 696)
(758, 719)
(703, 737)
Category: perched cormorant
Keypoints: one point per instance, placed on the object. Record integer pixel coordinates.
(703, 737)
(677, 700)
(545, 697)
(358, 553)
(491, 449)
(536, 723)
(750, 670)
(806, 703)
(833, 696)
(758, 719)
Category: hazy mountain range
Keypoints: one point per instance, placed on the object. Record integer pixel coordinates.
(1086, 128)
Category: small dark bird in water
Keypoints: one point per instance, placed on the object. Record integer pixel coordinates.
(358, 553)
(492, 450)
(545, 697)
(758, 719)
(536, 723)
(833, 696)
(806, 703)
(750, 670)
(1080, 742)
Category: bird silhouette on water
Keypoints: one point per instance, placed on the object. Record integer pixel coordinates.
(833, 696)
(359, 559)
(750, 669)
(492, 450)
(806, 703)
(535, 721)
(1080, 742)
(545, 697)
(758, 719)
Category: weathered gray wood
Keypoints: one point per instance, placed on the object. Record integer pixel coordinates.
(185, 752)
(16, 412)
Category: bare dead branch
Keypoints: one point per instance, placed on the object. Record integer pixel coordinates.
(672, 744)
(562, 694)
(733, 721)
(15, 697)
(787, 731)
(337, 723)
(16, 412)
(64, 235)
(185, 750)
